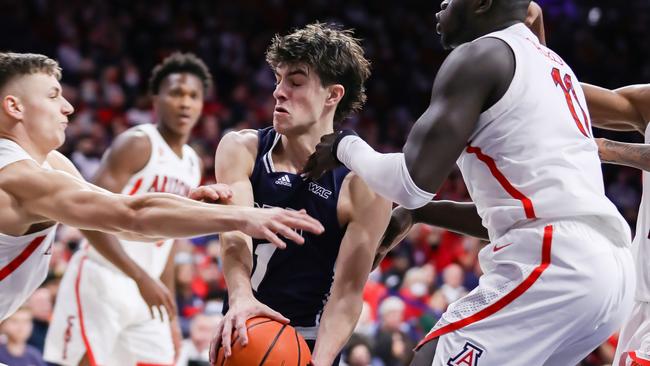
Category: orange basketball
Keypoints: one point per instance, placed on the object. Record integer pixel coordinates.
(270, 343)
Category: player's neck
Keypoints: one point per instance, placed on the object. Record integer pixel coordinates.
(26, 144)
(16, 349)
(174, 140)
(292, 152)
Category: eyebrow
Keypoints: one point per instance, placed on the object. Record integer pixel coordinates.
(294, 72)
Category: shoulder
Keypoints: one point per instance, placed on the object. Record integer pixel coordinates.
(242, 142)
(485, 59)
(237, 150)
(130, 150)
(58, 161)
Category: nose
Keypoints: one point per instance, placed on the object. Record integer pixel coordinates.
(67, 108)
(280, 93)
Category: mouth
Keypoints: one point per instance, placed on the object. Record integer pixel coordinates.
(279, 109)
(64, 124)
(438, 26)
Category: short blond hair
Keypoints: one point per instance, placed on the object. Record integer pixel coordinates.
(19, 64)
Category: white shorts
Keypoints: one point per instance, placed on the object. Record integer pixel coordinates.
(550, 294)
(634, 341)
(100, 312)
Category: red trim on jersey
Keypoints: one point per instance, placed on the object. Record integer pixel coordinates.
(89, 351)
(136, 186)
(636, 361)
(504, 301)
(528, 204)
(21, 258)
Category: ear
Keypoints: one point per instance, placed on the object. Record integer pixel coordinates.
(12, 106)
(483, 6)
(336, 93)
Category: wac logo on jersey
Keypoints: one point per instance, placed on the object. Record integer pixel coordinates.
(319, 191)
(467, 357)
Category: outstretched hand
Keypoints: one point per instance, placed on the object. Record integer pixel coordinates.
(267, 223)
(323, 159)
(401, 222)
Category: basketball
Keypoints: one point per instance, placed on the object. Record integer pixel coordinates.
(269, 343)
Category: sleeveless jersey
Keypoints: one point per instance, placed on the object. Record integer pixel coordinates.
(532, 154)
(296, 281)
(24, 260)
(164, 172)
(641, 243)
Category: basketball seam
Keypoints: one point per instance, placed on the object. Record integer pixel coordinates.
(298, 344)
(268, 351)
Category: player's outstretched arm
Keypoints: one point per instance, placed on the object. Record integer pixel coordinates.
(624, 109)
(459, 217)
(367, 215)
(623, 153)
(472, 78)
(234, 162)
(59, 196)
(129, 154)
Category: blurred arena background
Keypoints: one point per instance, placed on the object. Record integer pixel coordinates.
(107, 50)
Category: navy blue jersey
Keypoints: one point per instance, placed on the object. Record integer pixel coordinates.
(296, 281)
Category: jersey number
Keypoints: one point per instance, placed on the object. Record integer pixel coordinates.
(566, 85)
(263, 252)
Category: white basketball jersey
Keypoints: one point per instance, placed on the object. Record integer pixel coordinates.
(164, 172)
(24, 260)
(641, 243)
(532, 154)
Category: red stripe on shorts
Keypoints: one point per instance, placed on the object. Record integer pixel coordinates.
(504, 301)
(89, 351)
(514, 192)
(21, 258)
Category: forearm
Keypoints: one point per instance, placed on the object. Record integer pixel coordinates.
(171, 216)
(108, 246)
(337, 323)
(385, 174)
(622, 153)
(459, 217)
(237, 257)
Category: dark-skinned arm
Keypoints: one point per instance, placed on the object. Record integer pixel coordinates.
(623, 109)
(623, 153)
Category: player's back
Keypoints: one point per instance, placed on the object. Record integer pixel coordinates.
(164, 172)
(296, 281)
(532, 154)
(24, 259)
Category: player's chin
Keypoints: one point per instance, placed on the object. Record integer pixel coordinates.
(282, 124)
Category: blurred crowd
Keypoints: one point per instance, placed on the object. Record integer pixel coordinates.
(107, 50)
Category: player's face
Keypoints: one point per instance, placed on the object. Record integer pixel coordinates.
(45, 111)
(299, 99)
(179, 102)
(454, 23)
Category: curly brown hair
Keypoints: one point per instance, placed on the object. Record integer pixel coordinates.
(179, 62)
(335, 55)
(19, 64)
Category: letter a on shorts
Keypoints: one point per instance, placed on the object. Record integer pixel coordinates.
(467, 357)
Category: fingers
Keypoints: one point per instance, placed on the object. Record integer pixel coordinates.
(240, 325)
(214, 345)
(300, 220)
(270, 313)
(170, 305)
(226, 336)
(273, 238)
(213, 193)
